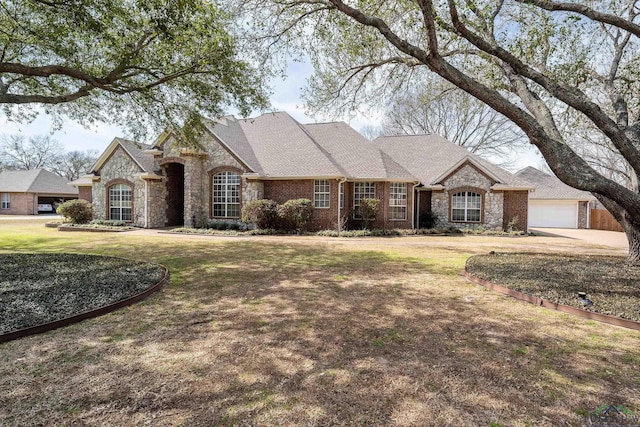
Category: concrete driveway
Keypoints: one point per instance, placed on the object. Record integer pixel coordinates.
(597, 237)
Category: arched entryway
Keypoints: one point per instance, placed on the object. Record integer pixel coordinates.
(174, 173)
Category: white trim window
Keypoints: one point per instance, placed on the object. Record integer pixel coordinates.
(120, 198)
(5, 202)
(226, 195)
(466, 206)
(341, 195)
(321, 194)
(398, 201)
(362, 190)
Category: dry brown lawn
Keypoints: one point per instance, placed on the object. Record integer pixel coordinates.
(309, 331)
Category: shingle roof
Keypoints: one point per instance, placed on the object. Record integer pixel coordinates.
(359, 158)
(276, 145)
(35, 181)
(548, 187)
(430, 157)
(229, 131)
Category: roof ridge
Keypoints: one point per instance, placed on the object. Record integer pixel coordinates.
(406, 135)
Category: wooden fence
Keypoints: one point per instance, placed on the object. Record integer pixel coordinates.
(603, 220)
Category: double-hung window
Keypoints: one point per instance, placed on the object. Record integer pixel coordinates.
(398, 201)
(120, 198)
(362, 190)
(321, 193)
(5, 201)
(466, 206)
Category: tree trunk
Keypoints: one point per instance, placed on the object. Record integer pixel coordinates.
(630, 225)
(633, 235)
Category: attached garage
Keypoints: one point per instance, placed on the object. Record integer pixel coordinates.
(553, 213)
(553, 204)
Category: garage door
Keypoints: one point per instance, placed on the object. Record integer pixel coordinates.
(553, 214)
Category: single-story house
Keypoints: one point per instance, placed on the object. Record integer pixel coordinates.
(553, 203)
(22, 191)
(275, 157)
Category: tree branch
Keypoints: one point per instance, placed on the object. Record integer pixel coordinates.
(606, 18)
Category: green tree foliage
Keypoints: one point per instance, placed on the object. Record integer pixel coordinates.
(143, 64)
(551, 67)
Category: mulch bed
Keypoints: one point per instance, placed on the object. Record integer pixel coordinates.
(94, 228)
(611, 285)
(41, 288)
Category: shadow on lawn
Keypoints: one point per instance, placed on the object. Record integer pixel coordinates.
(284, 334)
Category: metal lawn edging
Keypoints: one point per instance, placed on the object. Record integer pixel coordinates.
(585, 314)
(45, 327)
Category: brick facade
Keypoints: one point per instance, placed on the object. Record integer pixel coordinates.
(21, 204)
(85, 193)
(282, 190)
(516, 207)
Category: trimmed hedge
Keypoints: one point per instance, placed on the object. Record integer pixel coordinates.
(77, 211)
(262, 213)
(295, 215)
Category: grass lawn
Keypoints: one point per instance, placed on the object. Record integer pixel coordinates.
(291, 331)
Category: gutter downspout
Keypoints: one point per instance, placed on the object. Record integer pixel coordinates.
(413, 205)
(341, 181)
(146, 204)
(588, 214)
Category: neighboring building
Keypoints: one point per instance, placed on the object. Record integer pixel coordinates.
(22, 191)
(275, 157)
(553, 203)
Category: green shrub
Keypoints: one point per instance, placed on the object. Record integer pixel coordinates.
(262, 213)
(77, 211)
(513, 224)
(109, 222)
(428, 220)
(221, 225)
(368, 210)
(295, 214)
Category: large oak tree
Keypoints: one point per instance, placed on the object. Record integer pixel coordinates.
(544, 64)
(142, 64)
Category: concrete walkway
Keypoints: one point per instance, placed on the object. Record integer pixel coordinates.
(597, 237)
(47, 216)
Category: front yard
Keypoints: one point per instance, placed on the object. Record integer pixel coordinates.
(290, 331)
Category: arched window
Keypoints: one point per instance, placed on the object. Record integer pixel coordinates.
(466, 206)
(226, 195)
(120, 200)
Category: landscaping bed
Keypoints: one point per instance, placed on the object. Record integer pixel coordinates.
(96, 228)
(324, 233)
(40, 288)
(611, 285)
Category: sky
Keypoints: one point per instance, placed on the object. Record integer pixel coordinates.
(286, 97)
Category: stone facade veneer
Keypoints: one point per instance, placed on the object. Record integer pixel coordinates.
(468, 178)
(120, 167)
